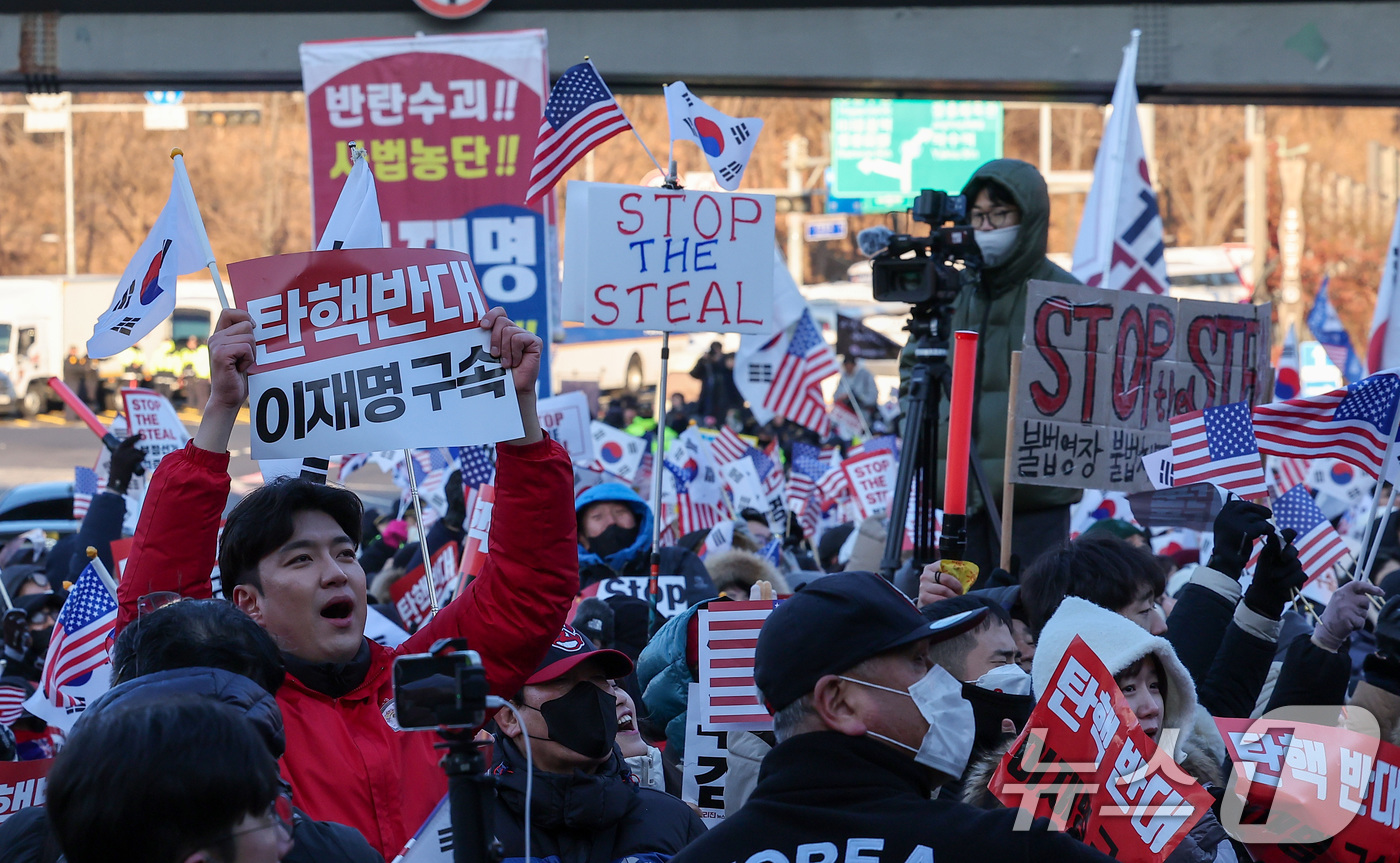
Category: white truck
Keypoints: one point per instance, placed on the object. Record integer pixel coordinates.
(42, 316)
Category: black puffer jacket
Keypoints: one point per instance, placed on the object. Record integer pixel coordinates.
(587, 818)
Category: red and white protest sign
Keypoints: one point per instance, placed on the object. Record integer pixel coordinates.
(152, 416)
(410, 593)
(566, 418)
(449, 123)
(641, 258)
(22, 785)
(1084, 762)
(477, 545)
(370, 349)
(728, 637)
(1311, 792)
(870, 477)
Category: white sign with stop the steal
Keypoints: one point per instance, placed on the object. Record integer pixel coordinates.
(151, 415)
(642, 258)
(566, 419)
(872, 477)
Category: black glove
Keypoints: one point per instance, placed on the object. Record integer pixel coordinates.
(126, 461)
(1236, 527)
(456, 503)
(1276, 577)
(1388, 629)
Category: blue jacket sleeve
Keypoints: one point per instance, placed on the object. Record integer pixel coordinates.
(101, 526)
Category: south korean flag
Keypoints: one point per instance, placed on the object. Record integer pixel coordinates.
(727, 141)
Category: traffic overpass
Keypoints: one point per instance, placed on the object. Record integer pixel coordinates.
(1262, 52)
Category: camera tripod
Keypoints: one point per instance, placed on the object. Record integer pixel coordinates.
(930, 381)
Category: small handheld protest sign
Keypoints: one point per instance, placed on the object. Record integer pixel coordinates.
(22, 785)
(1299, 789)
(641, 258)
(870, 477)
(1084, 762)
(359, 350)
(152, 416)
(1104, 372)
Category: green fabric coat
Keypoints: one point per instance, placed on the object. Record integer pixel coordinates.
(994, 306)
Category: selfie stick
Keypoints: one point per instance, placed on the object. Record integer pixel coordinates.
(952, 545)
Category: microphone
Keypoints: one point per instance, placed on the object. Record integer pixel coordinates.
(873, 241)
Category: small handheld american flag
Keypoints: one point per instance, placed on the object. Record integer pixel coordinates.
(84, 488)
(795, 392)
(1353, 424)
(1319, 545)
(580, 114)
(79, 655)
(1217, 446)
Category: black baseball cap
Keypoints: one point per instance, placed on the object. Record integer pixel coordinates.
(836, 623)
(573, 647)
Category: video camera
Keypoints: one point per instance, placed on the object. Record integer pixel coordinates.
(920, 270)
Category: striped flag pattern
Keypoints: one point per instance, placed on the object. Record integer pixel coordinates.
(84, 489)
(1319, 545)
(795, 392)
(807, 468)
(580, 114)
(728, 636)
(1217, 446)
(728, 447)
(11, 703)
(1352, 423)
(1288, 472)
(79, 644)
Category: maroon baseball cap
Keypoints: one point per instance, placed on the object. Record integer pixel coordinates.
(573, 647)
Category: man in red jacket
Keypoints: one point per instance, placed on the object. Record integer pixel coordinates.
(289, 561)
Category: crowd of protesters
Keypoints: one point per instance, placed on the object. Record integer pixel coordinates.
(260, 724)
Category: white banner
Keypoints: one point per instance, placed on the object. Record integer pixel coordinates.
(153, 416)
(872, 478)
(566, 419)
(672, 600)
(641, 258)
(704, 767)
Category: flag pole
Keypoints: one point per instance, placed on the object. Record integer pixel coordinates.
(1376, 497)
(1115, 172)
(657, 469)
(1008, 487)
(101, 571)
(1365, 573)
(192, 210)
(422, 533)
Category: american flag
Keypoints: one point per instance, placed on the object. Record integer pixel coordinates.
(84, 487)
(476, 464)
(1319, 545)
(1352, 423)
(795, 392)
(1284, 473)
(728, 447)
(1217, 446)
(807, 468)
(835, 485)
(79, 644)
(728, 636)
(879, 442)
(11, 703)
(690, 514)
(580, 114)
(352, 462)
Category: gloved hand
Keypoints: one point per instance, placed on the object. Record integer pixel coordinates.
(1236, 527)
(1276, 577)
(1345, 614)
(1388, 629)
(395, 533)
(456, 502)
(126, 462)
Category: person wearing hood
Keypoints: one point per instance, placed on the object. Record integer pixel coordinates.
(867, 727)
(1009, 210)
(614, 539)
(1160, 693)
(585, 805)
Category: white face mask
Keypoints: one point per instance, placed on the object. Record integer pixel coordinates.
(996, 244)
(1008, 679)
(951, 726)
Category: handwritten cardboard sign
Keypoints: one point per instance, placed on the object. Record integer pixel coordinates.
(359, 350)
(1103, 372)
(153, 416)
(641, 258)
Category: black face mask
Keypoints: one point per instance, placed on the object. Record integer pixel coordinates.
(612, 540)
(583, 719)
(990, 708)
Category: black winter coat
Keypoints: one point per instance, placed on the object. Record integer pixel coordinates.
(587, 818)
(826, 790)
(1228, 665)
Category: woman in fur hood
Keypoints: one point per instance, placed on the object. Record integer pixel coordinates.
(1162, 697)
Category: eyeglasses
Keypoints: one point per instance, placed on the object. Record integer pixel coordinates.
(993, 218)
(156, 601)
(279, 814)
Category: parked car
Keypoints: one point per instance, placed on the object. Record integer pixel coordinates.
(47, 506)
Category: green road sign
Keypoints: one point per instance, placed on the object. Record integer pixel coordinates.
(884, 151)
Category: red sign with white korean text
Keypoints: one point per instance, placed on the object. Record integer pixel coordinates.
(358, 350)
(22, 785)
(1314, 792)
(449, 123)
(410, 593)
(1084, 762)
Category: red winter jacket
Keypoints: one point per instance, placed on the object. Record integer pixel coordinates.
(344, 761)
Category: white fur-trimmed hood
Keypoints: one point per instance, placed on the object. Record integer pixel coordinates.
(1119, 643)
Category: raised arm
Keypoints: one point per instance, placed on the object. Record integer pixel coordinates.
(177, 535)
(513, 611)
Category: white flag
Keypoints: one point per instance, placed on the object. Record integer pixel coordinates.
(1120, 238)
(355, 222)
(145, 293)
(727, 141)
(759, 356)
(1383, 351)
